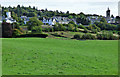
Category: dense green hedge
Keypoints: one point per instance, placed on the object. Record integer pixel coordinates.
(107, 36)
(84, 36)
(102, 36)
(33, 35)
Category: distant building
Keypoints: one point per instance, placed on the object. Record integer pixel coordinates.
(8, 14)
(49, 21)
(25, 18)
(8, 19)
(94, 19)
(108, 17)
(108, 13)
(54, 20)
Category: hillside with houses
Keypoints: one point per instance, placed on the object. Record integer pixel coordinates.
(25, 20)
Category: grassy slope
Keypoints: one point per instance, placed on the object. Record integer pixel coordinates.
(57, 57)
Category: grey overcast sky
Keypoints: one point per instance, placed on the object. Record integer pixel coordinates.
(74, 6)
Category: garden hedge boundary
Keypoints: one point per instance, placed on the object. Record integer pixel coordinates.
(33, 35)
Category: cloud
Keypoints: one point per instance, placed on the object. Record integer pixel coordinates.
(76, 6)
(59, 1)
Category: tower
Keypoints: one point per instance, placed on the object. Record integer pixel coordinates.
(108, 13)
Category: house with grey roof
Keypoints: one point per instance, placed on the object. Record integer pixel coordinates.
(25, 18)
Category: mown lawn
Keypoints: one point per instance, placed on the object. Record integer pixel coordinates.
(37, 56)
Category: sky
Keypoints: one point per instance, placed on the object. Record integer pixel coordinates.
(74, 6)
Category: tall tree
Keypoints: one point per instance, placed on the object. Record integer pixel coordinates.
(33, 22)
(6, 30)
(18, 10)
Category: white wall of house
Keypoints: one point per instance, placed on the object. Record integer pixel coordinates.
(8, 14)
(9, 21)
(48, 21)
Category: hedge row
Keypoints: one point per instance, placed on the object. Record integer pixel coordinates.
(84, 37)
(107, 37)
(104, 36)
(33, 35)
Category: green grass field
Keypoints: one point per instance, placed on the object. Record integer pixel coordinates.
(37, 56)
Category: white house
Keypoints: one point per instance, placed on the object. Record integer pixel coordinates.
(8, 14)
(94, 19)
(45, 21)
(50, 21)
(60, 20)
(9, 19)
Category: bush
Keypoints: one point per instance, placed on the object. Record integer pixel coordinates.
(81, 26)
(16, 32)
(37, 29)
(76, 30)
(33, 35)
(84, 37)
(105, 26)
(88, 36)
(55, 27)
(51, 30)
(77, 36)
(47, 29)
(107, 36)
(94, 30)
(70, 27)
(119, 33)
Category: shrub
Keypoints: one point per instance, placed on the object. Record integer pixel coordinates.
(61, 33)
(84, 37)
(55, 27)
(47, 29)
(70, 27)
(51, 30)
(106, 36)
(16, 32)
(37, 29)
(88, 36)
(76, 30)
(81, 26)
(118, 32)
(77, 36)
(94, 30)
(105, 26)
